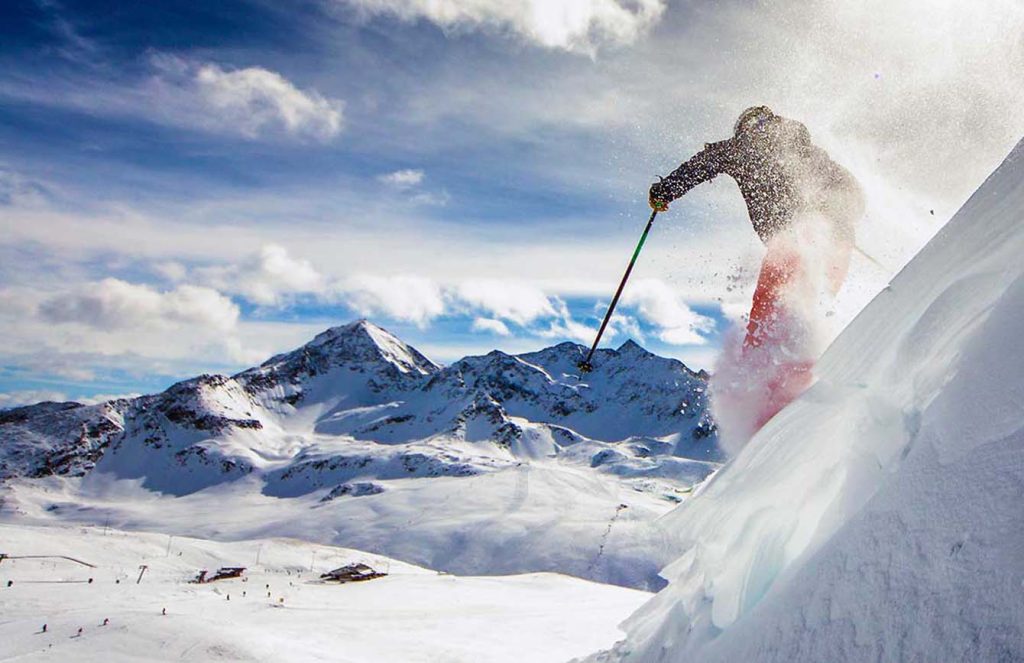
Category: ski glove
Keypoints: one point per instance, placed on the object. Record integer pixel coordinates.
(659, 196)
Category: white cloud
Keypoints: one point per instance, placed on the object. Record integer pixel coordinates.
(171, 270)
(129, 327)
(661, 306)
(266, 277)
(113, 304)
(572, 25)
(95, 399)
(514, 301)
(490, 325)
(696, 357)
(252, 101)
(30, 397)
(565, 327)
(408, 298)
(625, 325)
(83, 335)
(403, 179)
(409, 181)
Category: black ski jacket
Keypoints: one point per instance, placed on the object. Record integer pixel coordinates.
(781, 174)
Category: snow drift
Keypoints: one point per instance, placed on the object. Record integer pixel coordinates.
(877, 517)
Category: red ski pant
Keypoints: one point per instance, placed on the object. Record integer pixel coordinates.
(773, 326)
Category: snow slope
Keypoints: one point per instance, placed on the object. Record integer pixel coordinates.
(879, 516)
(411, 615)
(544, 516)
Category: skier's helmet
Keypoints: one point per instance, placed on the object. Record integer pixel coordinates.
(753, 119)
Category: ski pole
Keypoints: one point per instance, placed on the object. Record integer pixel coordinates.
(585, 366)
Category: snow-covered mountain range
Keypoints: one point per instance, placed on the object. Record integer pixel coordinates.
(356, 401)
(362, 431)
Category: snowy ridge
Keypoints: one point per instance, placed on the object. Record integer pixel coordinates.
(876, 518)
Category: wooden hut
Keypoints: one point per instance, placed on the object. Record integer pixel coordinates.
(352, 573)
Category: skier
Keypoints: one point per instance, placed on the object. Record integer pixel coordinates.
(804, 207)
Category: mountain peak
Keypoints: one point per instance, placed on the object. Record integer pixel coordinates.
(361, 328)
(631, 347)
(363, 340)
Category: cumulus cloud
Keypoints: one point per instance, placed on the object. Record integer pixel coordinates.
(492, 304)
(112, 329)
(564, 326)
(407, 298)
(490, 325)
(264, 278)
(625, 325)
(516, 302)
(403, 179)
(658, 304)
(116, 304)
(62, 332)
(252, 101)
(571, 25)
(567, 328)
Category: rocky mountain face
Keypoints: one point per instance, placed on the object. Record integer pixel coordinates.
(356, 403)
(57, 438)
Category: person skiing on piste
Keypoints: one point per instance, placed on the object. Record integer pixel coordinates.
(789, 186)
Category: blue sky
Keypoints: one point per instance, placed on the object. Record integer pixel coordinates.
(191, 187)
